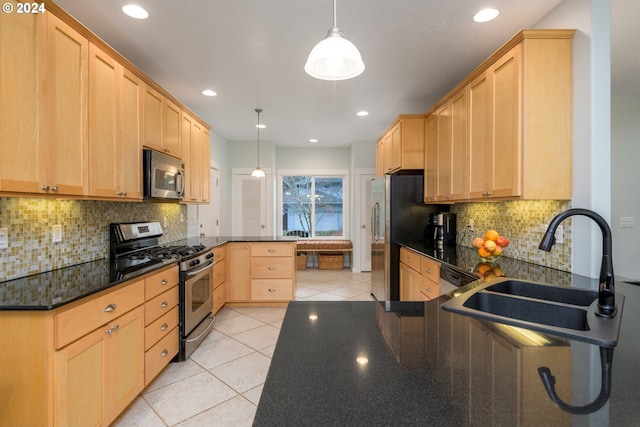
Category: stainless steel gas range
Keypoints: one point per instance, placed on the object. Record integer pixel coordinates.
(134, 249)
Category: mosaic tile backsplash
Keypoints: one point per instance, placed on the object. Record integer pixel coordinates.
(523, 223)
(85, 230)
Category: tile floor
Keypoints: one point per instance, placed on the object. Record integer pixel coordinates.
(220, 384)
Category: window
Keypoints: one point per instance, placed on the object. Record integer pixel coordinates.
(313, 205)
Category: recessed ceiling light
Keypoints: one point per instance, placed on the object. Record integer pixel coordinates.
(362, 113)
(209, 92)
(135, 11)
(313, 140)
(486, 15)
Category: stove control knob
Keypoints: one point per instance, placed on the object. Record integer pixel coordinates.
(194, 262)
(209, 255)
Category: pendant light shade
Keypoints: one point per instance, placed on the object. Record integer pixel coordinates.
(334, 58)
(257, 172)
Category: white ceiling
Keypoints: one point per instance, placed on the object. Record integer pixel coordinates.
(252, 53)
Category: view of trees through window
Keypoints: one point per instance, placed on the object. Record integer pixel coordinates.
(312, 206)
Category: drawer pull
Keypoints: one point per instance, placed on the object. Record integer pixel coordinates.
(112, 329)
(164, 327)
(272, 251)
(164, 304)
(428, 270)
(164, 282)
(272, 268)
(272, 290)
(164, 353)
(109, 308)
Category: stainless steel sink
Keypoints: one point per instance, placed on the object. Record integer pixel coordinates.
(557, 310)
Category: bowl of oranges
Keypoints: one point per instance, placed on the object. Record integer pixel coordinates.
(491, 246)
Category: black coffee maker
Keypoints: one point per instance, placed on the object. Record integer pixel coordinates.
(441, 229)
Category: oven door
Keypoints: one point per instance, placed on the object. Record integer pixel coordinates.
(198, 297)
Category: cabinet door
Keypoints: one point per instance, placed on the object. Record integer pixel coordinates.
(379, 159)
(187, 144)
(22, 40)
(126, 361)
(396, 148)
(506, 165)
(103, 91)
(443, 162)
(196, 161)
(239, 279)
(459, 138)
(170, 128)
(387, 145)
(430, 156)
(410, 284)
(66, 136)
(152, 135)
(130, 136)
(480, 136)
(205, 176)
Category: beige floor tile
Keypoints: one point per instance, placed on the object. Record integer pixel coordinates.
(259, 338)
(237, 325)
(268, 314)
(244, 373)
(236, 412)
(254, 394)
(182, 400)
(139, 414)
(215, 353)
(173, 373)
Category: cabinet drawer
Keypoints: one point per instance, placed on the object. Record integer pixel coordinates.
(219, 272)
(160, 327)
(271, 290)
(161, 304)
(410, 258)
(159, 356)
(430, 269)
(430, 289)
(160, 282)
(219, 252)
(272, 249)
(271, 267)
(219, 297)
(71, 324)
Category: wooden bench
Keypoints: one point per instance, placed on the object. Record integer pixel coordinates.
(315, 247)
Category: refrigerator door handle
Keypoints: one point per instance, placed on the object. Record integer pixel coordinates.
(375, 219)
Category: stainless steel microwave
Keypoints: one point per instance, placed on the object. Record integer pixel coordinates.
(163, 176)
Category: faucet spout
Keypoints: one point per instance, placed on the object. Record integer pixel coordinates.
(606, 292)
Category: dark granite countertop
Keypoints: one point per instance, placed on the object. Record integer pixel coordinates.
(53, 289)
(427, 367)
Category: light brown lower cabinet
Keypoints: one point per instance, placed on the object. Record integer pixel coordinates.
(496, 367)
(419, 276)
(82, 364)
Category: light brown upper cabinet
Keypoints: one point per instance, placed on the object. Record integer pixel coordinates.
(161, 123)
(519, 122)
(195, 153)
(451, 153)
(43, 132)
(401, 147)
(430, 157)
(22, 70)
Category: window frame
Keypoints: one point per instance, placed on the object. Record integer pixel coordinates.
(316, 173)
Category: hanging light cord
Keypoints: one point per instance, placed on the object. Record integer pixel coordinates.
(259, 110)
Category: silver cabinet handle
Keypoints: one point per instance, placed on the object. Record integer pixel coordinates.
(164, 282)
(271, 290)
(164, 304)
(109, 308)
(272, 250)
(164, 353)
(54, 188)
(272, 268)
(164, 327)
(112, 329)
(428, 270)
(46, 188)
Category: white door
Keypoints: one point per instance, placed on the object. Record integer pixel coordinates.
(364, 238)
(209, 214)
(251, 211)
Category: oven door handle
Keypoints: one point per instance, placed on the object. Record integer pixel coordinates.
(211, 318)
(192, 273)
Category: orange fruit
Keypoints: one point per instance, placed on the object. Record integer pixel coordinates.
(483, 268)
(490, 245)
(491, 235)
(484, 253)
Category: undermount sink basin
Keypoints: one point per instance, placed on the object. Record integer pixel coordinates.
(557, 310)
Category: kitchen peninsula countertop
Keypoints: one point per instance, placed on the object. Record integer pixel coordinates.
(53, 289)
(315, 377)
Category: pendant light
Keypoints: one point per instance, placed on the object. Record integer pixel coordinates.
(334, 58)
(257, 172)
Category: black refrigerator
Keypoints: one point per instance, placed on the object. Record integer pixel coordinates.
(397, 215)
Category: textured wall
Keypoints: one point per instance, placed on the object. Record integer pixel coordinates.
(85, 230)
(523, 222)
